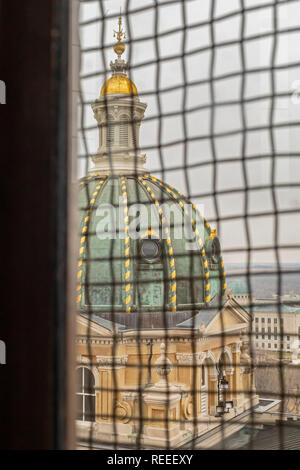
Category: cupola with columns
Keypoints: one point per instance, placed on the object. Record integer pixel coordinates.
(119, 113)
(174, 279)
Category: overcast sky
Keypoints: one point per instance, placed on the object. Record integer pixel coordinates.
(228, 117)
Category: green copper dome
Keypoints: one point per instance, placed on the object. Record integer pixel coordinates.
(172, 264)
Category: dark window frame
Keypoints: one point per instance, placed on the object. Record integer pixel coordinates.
(35, 382)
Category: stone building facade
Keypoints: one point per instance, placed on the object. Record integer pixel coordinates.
(161, 380)
(162, 350)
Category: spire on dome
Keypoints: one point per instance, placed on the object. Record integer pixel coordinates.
(119, 82)
(119, 113)
(119, 65)
(119, 48)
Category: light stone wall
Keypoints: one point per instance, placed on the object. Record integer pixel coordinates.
(178, 405)
(289, 329)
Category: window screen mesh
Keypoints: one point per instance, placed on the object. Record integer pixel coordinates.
(221, 80)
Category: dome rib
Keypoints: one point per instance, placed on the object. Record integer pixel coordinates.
(221, 263)
(171, 264)
(178, 199)
(85, 231)
(127, 261)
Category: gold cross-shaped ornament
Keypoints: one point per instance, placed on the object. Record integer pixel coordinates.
(119, 35)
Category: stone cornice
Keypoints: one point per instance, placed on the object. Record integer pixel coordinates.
(189, 359)
(111, 362)
(84, 360)
(83, 340)
(130, 395)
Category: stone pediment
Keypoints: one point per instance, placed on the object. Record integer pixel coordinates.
(232, 317)
(87, 327)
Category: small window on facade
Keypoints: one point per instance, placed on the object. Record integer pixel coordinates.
(275, 346)
(86, 395)
(124, 130)
(275, 320)
(110, 131)
(263, 320)
(256, 319)
(269, 345)
(269, 320)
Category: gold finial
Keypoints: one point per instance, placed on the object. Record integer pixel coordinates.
(119, 48)
(213, 234)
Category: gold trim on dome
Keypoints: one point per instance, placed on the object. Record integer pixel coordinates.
(212, 233)
(84, 231)
(172, 192)
(119, 83)
(172, 267)
(128, 286)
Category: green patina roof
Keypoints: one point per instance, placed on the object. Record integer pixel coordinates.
(111, 274)
(272, 307)
(238, 287)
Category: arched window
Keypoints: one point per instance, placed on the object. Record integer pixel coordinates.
(124, 130)
(110, 131)
(86, 395)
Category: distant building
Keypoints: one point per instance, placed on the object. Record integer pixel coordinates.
(276, 322)
(240, 292)
(275, 326)
(292, 300)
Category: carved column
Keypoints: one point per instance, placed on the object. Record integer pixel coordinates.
(106, 399)
(212, 389)
(191, 361)
(237, 382)
(246, 369)
(230, 378)
(163, 407)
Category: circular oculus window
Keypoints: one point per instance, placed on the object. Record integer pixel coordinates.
(150, 249)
